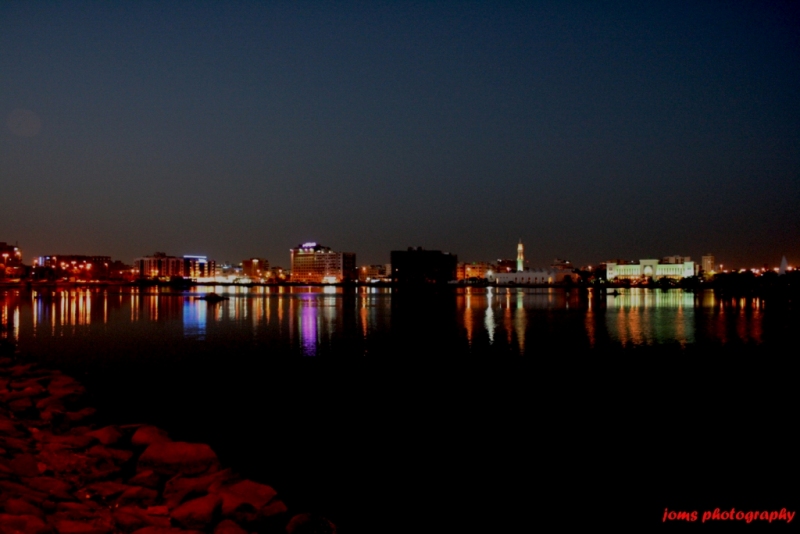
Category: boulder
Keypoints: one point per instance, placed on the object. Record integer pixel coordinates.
(29, 524)
(310, 524)
(89, 526)
(178, 488)
(229, 527)
(178, 457)
(22, 507)
(108, 435)
(138, 494)
(197, 513)
(26, 465)
(52, 487)
(148, 479)
(130, 518)
(147, 435)
(245, 492)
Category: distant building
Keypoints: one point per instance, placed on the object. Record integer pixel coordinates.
(84, 267)
(317, 264)
(419, 266)
(257, 268)
(674, 260)
(644, 269)
(10, 255)
(159, 265)
(479, 269)
(707, 263)
(506, 266)
(375, 273)
(558, 272)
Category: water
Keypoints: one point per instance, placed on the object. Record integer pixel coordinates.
(484, 406)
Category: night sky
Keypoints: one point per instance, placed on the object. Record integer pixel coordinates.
(240, 129)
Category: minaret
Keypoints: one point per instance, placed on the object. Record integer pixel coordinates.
(784, 266)
(520, 257)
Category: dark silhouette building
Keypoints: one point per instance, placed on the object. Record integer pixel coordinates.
(418, 266)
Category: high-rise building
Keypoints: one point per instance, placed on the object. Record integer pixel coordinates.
(418, 266)
(316, 264)
(707, 263)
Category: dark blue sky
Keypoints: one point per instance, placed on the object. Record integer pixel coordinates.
(240, 129)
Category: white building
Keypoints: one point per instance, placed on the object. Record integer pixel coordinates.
(649, 269)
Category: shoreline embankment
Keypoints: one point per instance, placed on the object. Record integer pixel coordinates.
(61, 474)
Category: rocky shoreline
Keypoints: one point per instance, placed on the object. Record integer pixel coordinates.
(60, 474)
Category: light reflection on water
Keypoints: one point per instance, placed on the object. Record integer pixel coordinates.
(310, 317)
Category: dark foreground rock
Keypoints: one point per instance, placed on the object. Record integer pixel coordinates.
(59, 474)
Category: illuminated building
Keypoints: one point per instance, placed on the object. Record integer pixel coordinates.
(474, 270)
(418, 266)
(315, 264)
(558, 272)
(707, 263)
(83, 267)
(10, 258)
(63, 261)
(159, 265)
(644, 269)
(374, 273)
(256, 268)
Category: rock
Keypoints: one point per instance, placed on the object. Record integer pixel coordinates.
(178, 457)
(197, 513)
(63, 442)
(89, 526)
(103, 490)
(148, 479)
(28, 524)
(26, 465)
(21, 406)
(119, 456)
(22, 507)
(106, 435)
(246, 491)
(161, 530)
(310, 524)
(52, 487)
(138, 494)
(177, 488)
(147, 435)
(65, 387)
(275, 507)
(129, 518)
(12, 489)
(64, 461)
(158, 510)
(80, 415)
(229, 527)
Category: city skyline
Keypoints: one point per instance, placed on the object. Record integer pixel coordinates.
(591, 132)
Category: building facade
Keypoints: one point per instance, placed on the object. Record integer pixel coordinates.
(476, 269)
(256, 268)
(419, 266)
(375, 273)
(159, 265)
(644, 269)
(707, 263)
(316, 264)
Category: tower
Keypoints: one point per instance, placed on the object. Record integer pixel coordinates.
(520, 257)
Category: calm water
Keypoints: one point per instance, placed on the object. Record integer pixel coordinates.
(482, 406)
(310, 321)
